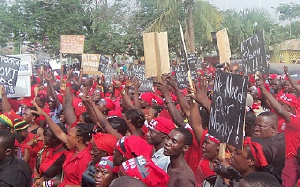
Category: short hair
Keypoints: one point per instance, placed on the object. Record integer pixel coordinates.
(7, 139)
(188, 137)
(85, 131)
(86, 117)
(271, 115)
(259, 179)
(126, 181)
(136, 116)
(119, 124)
(250, 119)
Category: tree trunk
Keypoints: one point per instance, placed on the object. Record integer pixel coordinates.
(190, 29)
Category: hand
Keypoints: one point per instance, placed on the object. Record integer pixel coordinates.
(222, 161)
(136, 83)
(286, 69)
(162, 87)
(118, 84)
(49, 76)
(128, 83)
(69, 75)
(39, 110)
(172, 82)
(3, 91)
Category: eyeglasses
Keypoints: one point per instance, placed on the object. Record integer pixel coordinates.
(261, 126)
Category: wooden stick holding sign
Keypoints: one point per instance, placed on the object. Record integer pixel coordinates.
(185, 56)
(156, 51)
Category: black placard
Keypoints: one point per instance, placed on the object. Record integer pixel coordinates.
(138, 71)
(228, 108)
(9, 68)
(181, 75)
(254, 54)
(109, 74)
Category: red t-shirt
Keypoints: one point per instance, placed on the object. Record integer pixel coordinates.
(203, 170)
(292, 136)
(74, 167)
(194, 153)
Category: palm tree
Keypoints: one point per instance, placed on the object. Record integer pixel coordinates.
(207, 17)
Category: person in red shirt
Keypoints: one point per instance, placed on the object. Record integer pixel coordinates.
(287, 106)
(79, 155)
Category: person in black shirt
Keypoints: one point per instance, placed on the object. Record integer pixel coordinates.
(13, 172)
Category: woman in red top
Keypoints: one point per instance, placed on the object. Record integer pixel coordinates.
(50, 159)
(78, 157)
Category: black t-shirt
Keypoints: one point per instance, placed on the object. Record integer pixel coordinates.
(274, 150)
(14, 172)
(181, 177)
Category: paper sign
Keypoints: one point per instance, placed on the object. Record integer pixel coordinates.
(90, 64)
(72, 44)
(156, 54)
(223, 46)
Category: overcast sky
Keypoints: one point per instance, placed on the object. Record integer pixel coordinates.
(242, 4)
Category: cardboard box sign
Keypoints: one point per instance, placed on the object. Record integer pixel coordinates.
(72, 44)
(223, 46)
(90, 64)
(156, 54)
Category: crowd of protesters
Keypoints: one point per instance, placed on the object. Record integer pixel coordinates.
(77, 131)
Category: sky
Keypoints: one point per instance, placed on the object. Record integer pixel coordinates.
(242, 4)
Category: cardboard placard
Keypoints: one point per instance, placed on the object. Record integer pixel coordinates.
(138, 71)
(156, 54)
(228, 108)
(223, 46)
(254, 54)
(72, 44)
(90, 64)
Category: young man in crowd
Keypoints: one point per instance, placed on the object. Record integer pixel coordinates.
(159, 128)
(13, 172)
(176, 144)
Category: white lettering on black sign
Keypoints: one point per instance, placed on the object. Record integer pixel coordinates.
(9, 68)
(228, 108)
(254, 55)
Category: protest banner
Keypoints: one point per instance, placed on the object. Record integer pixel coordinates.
(9, 69)
(23, 84)
(72, 44)
(156, 53)
(254, 55)
(181, 75)
(223, 46)
(109, 74)
(90, 64)
(228, 108)
(138, 71)
(192, 63)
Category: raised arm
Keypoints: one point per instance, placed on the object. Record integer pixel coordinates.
(6, 107)
(68, 106)
(273, 102)
(201, 95)
(59, 133)
(184, 105)
(136, 85)
(173, 111)
(195, 119)
(50, 90)
(293, 82)
(126, 100)
(103, 122)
